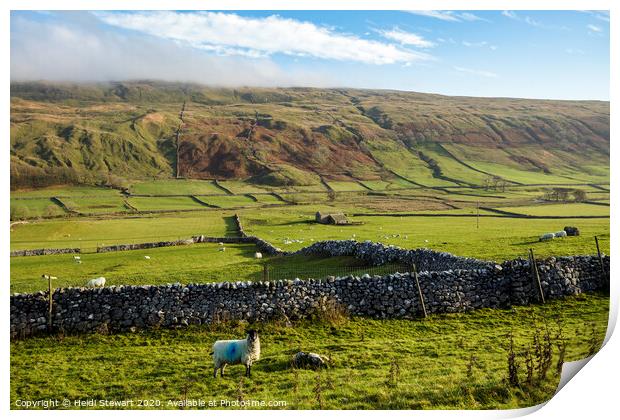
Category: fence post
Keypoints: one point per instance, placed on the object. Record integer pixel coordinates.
(417, 282)
(600, 260)
(535, 272)
(50, 300)
(265, 272)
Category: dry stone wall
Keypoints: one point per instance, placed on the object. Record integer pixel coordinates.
(122, 308)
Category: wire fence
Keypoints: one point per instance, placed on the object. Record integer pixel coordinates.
(279, 272)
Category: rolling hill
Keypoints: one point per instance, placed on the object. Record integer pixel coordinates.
(111, 132)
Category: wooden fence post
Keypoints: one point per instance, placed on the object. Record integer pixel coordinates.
(265, 272)
(535, 273)
(50, 300)
(600, 260)
(417, 282)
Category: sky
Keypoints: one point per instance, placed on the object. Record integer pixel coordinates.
(503, 53)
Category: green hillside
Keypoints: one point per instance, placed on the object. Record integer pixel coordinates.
(113, 133)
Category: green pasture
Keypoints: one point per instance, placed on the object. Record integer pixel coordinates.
(175, 186)
(449, 361)
(34, 207)
(90, 232)
(346, 186)
(165, 203)
(241, 187)
(199, 263)
(267, 199)
(65, 191)
(230, 201)
(564, 209)
(495, 238)
(96, 205)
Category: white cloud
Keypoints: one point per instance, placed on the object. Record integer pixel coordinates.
(233, 34)
(595, 28)
(530, 21)
(475, 44)
(79, 50)
(479, 44)
(598, 14)
(475, 72)
(406, 38)
(448, 15)
(526, 19)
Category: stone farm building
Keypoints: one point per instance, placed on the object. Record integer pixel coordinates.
(331, 218)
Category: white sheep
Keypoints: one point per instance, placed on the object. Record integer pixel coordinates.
(98, 282)
(222, 249)
(77, 257)
(258, 255)
(560, 234)
(235, 352)
(146, 257)
(220, 243)
(546, 237)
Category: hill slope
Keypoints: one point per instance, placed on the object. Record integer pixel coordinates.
(84, 133)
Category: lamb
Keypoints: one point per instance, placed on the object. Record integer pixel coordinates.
(77, 257)
(98, 282)
(234, 352)
(146, 257)
(546, 237)
(560, 234)
(258, 255)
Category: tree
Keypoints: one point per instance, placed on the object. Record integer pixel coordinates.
(579, 195)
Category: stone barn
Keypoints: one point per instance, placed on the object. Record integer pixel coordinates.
(331, 218)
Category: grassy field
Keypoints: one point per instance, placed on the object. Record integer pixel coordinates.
(96, 205)
(35, 207)
(89, 232)
(165, 203)
(570, 209)
(175, 186)
(200, 263)
(496, 238)
(452, 361)
(65, 191)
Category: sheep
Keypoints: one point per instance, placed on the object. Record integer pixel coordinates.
(546, 237)
(98, 282)
(560, 234)
(146, 257)
(77, 257)
(220, 243)
(258, 255)
(234, 352)
(222, 249)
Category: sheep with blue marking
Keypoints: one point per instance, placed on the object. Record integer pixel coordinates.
(235, 352)
(560, 234)
(546, 237)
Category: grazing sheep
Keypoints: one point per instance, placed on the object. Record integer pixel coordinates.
(222, 249)
(98, 282)
(546, 237)
(560, 234)
(303, 360)
(146, 257)
(220, 243)
(77, 257)
(258, 255)
(234, 352)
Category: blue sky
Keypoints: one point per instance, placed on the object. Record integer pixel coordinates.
(531, 54)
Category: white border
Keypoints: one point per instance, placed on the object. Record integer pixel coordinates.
(591, 394)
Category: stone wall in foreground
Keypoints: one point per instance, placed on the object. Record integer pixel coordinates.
(121, 308)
